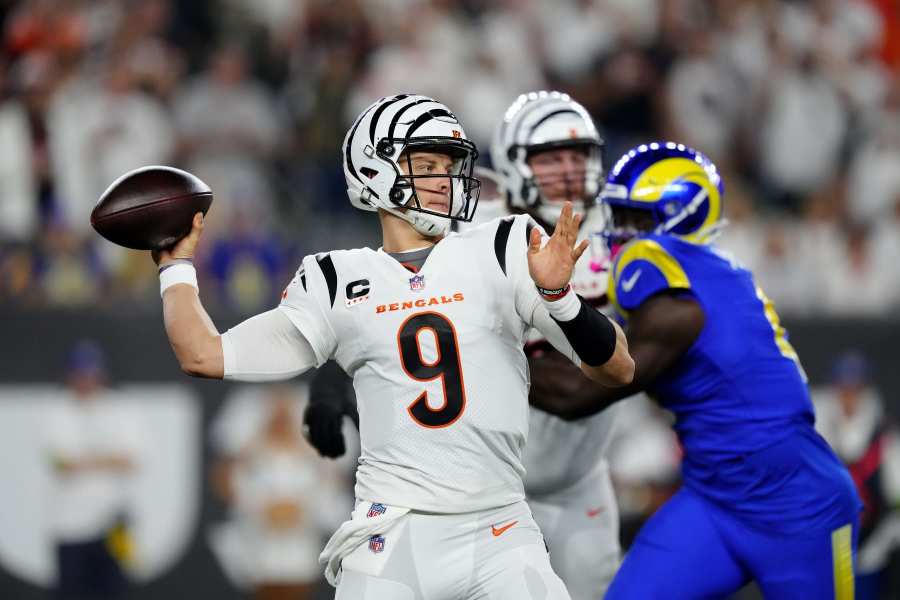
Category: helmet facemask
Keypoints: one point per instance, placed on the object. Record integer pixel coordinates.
(624, 223)
(582, 186)
(458, 183)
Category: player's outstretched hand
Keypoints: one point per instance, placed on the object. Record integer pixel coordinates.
(183, 248)
(551, 266)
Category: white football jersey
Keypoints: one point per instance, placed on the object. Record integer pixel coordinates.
(437, 362)
(559, 453)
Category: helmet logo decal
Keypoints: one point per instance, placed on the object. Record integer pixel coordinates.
(573, 134)
(457, 133)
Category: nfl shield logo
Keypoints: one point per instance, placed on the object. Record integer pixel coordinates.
(375, 510)
(376, 543)
(417, 283)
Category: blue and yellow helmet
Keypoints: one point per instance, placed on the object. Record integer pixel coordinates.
(678, 187)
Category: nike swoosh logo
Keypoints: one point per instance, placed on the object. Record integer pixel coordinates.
(628, 284)
(593, 512)
(498, 531)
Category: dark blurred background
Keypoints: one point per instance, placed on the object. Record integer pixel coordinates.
(798, 103)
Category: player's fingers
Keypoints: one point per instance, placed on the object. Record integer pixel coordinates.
(572, 225)
(534, 242)
(196, 227)
(579, 250)
(566, 213)
(559, 232)
(576, 224)
(565, 216)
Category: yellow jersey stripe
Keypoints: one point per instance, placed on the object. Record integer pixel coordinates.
(652, 252)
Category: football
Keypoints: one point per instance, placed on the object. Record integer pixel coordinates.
(150, 208)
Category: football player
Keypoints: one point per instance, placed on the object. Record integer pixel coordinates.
(764, 497)
(436, 359)
(545, 152)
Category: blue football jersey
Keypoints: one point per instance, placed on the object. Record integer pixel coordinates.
(743, 411)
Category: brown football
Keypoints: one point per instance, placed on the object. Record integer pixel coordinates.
(150, 208)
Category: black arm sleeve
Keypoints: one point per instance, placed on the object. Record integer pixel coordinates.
(591, 334)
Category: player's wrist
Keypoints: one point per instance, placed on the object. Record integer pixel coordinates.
(170, 262)
(563, 307)
(177, 271)
(552, 295)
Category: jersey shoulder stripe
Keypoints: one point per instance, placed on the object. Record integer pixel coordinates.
(643, 268)
(328, 271)
(501, 239)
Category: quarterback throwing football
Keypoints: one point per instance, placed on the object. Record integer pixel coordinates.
(436, 359)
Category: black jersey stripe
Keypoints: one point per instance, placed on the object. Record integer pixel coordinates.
(501, 238)
(327, 266)
(303, 281)
(528, 229)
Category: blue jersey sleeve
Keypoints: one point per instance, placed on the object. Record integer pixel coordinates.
(644, 268)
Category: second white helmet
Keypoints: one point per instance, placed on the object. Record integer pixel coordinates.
(386, 133)
(539, 121)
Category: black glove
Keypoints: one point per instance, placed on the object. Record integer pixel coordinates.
(330, 400)
(322, 424)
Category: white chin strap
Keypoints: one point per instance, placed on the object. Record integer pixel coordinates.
(429, 225)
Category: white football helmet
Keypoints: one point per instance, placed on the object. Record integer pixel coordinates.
(539, 121)
(386, 133)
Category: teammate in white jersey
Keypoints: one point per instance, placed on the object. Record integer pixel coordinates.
(546, 151)
(436, 359)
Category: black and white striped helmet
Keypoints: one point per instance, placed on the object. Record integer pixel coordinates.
(386, 133)
(539, 121)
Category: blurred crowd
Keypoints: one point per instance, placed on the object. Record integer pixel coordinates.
(798, 102)
(282, 501)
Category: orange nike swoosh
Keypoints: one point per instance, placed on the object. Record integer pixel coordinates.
(501, 530)
(593, 512)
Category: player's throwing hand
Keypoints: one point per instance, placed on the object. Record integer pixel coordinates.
(551, 266)
(183, 248)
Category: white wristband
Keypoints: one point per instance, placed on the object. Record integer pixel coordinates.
(564, 309)
(175, 274)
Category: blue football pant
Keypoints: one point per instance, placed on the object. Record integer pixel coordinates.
(691, 549)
